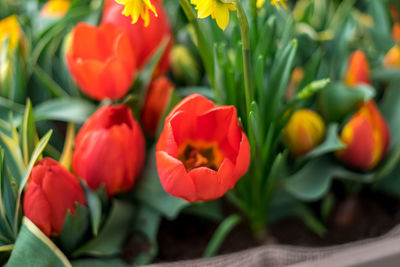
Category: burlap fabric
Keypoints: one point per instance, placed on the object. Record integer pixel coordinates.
(383, 251)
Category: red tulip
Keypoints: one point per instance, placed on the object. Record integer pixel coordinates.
(145, 40)
(50, 193)
(357, 70)
(109, 150)
(101, 60)
(157, 99)
(202, 151)
(367, 138)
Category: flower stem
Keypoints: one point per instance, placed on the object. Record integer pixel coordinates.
(245, 34)
(204, 48)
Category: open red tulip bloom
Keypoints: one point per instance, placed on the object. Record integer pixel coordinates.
(101, 60)
(50, 193)
(202, 151)
(144, 40)
(109, 150)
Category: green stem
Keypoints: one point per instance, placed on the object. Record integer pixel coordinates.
(253, 8)
(205, 49)
(245, 34)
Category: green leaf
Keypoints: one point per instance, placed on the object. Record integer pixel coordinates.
(331, 143)
(349, 99)
(390, 106)
(13, 154)
(33, 248)
(65, 109)
(48, 83)
(74, 227)
(144, 77)
(220, 234)
(312, 181)
(7, 202)
(8, 195)
(279, 80)
(146, 228)
(35, 156)
(112, 236)
(94, 204)
(381, 31)
(310, 220)
(150, 191)
(29, 134)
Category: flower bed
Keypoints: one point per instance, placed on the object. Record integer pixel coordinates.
(131, 127)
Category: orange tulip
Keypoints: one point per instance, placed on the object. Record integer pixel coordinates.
(202, 151)
(145, 40)
(101, 60)
(367, 138)
(157, 99)
(109, 150)
(392, 58)
(50, 193)
(358, 71)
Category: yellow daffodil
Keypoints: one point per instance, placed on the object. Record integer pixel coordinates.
(276, 3)
(216, 8)
(9, 28)
(138, 8)
(55, 8)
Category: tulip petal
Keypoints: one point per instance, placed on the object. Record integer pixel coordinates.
(243, 159)
(194, 104)
(37, 208)
(174, 178)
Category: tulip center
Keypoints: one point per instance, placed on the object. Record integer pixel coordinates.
(196, 154)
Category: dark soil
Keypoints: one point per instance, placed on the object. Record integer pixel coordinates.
(352, 219)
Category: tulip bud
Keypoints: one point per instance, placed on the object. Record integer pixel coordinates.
(55, 8)
(12, 67)
(202, 151)
(109, 150)
(145, 40)
(101, 60)
(50, 193)
(396, 32)
(157, 99)
(10, 29)
(392, 58)
(366, 136)
(184, 66)
(304, 131)
(358, 70)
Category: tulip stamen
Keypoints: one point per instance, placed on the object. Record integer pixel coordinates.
(200, 154)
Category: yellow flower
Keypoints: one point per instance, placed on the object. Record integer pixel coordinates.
(276, 3)
(9, 28)
(136, 8)
(217, 9)
(55, 8)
